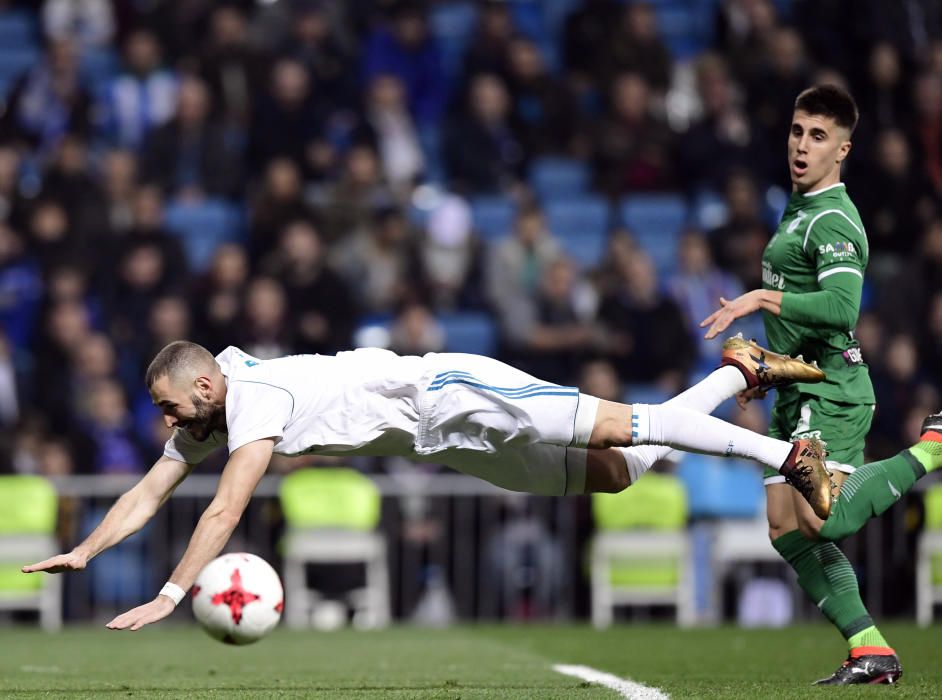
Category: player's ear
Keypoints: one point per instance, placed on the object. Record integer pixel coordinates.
(204, 384)
(843, 151)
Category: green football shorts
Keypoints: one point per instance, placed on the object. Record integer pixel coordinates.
(843, 426)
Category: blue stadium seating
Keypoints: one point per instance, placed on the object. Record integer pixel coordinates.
(581, 224)
(493, 216)
(469, 331)
(558, 177)
(656, 221)
(453, 23)
(721, 488)
(97, 67)
(17, 30)
(686, 26)
(14, 62)
(648, 393)
(202, 227)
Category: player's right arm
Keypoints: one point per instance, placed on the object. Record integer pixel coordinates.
(128, 515)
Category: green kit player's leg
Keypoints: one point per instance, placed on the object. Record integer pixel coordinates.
(875, 487)
(824, 573)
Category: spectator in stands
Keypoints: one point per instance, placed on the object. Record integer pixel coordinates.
(69, 182)
(780, 77)
(65, 326)
(517, 263)
(22, 285)
(381, 263)
(542, 107)
(482, 149)
(635, 46)
(389, 128)
(12, 202)
(926, 127)
(895, 200)
(144, 274)
(738, 244)
(89, 23)
(264, 330)
(107, 426)
(9, 385)
(143, 97)
(189, 157)
(884, 96)
(119, 181)
(745, 32)
(289, 119)
(231, 66)
(349, 205)
(148, 227)
(220, 293)
(649, 336)
(695, 287)
(51, 238)
(280, 201)
(322, 304)
(723, 139)
(550, 333)
(414, 331)
(452, 256)
(314, 42)
(403, 47)
(633, 148)
(489, 45)
(48, 102)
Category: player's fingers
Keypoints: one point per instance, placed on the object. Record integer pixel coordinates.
(49, 565)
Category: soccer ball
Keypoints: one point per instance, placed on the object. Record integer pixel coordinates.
(238, 598)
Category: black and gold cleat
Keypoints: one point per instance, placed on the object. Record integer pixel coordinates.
(766, 369)
(804, 469)
(866, 669)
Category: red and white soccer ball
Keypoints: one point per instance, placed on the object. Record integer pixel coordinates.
(238, 598)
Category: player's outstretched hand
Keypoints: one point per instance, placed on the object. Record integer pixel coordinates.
(59, 563)
(154, 611)
(721, 319)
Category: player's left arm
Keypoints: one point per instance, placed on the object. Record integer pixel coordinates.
(245, 468)
(835, 250)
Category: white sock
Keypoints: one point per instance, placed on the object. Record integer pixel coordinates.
(694, 432)
(704, 397)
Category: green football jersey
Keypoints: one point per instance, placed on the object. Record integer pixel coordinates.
(820, 249)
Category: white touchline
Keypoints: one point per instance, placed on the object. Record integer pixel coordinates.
(627, 688)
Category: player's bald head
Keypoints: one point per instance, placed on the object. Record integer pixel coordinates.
(180, 360)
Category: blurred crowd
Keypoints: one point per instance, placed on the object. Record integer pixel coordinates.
(348, 148)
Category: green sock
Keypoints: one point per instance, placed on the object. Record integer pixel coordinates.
(829, 580)
(869, 637)
(871, 490)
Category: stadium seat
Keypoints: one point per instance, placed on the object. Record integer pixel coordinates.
(656, 221)
(641, 553)
(493, 216)
(929, 558)
(331, 517)
(552, 178)
(14, 62)
(452, 23)
(28, 511)
(581, 225)
(721, 488)
(17, 29)
(202, 227)
(471, 332)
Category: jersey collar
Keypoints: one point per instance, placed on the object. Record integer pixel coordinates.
(822, 190)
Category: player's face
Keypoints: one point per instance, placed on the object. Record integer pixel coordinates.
(187, 409)
(816, 148)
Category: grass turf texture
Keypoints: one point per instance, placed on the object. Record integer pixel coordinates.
(467, 662)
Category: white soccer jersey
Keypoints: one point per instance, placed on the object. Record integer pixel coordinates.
(443, 407)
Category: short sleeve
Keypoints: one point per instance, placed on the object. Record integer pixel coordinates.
(183, 447)
(255, 411)
(836, 245)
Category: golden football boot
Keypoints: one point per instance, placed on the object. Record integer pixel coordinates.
(804, 469)
(766, 369)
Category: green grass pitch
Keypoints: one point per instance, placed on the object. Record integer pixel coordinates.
(180, 661)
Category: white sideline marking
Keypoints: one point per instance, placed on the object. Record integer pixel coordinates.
(627, 689)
